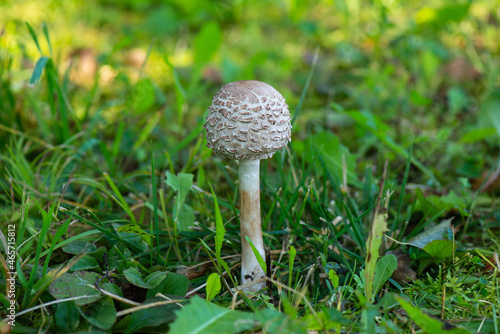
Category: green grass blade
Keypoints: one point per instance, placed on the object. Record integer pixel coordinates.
(70, 240)
(354, 227)
(219, 227)
(60, 231)
(33, 36)
(120, 200)
(155, 206)
(261, 261)
(291, 261)
(46, 223)
(146, 131)
(46, 33)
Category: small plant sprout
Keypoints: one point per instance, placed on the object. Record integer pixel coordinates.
(248, 121)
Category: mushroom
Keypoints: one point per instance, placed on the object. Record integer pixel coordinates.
(248, 121)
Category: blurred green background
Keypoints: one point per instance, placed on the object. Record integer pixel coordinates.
(424, 71)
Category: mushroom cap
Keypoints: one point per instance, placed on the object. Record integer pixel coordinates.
(248, 120)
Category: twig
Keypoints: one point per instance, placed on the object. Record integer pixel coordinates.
(146, 306)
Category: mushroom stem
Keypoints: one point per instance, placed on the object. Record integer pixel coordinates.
(250, 223)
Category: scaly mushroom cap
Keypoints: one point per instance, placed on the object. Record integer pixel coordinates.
(248, 120)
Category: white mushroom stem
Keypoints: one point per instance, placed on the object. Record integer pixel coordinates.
(250, 223)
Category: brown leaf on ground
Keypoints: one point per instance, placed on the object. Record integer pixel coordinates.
(403, 272)
(461, 69)
(5, 328)
(135, 57)
(84, 62)
(488, 181)
(212, 75)
(195, 271)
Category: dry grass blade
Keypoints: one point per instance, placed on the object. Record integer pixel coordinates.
(28, 310)
(145, 307)
(112, 295)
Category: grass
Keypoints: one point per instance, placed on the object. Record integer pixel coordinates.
(117, 203)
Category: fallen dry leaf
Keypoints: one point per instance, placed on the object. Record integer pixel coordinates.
(193, 272)
(461, 69)
(403, 272)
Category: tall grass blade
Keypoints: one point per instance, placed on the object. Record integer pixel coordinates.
(119, 199)
(33, 36)
(155, 206)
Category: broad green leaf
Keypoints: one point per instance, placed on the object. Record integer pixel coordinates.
(424, 205)
(328, 319)
(66, 316)
(448, 202)
(173, 284)
(152, 316)
(438, 232)
(78, 247)
(86, 262)
(368, 325)
(118, 255)
(476, 135)
(37, 71)
(213, 286)
(181, 184)
(136, 229)
(101, 314)
(203, 317)
(185, 218)
(257, 254)
(275, 322)
(383, 270)
(429, 324)
(419, 100)
(151, 281)
(373, 248)
(111, 287)
(334, 278)
(142, 97)
(206, 43)
(441, 249)
(438, 18)
(288, 307)
(76, 285)
(133, 241)
(454, 12)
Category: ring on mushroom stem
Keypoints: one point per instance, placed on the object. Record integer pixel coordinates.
(248, 121)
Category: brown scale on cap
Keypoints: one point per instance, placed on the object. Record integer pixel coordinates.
(248, 120)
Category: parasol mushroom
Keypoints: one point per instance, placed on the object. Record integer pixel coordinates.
(248, 121)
